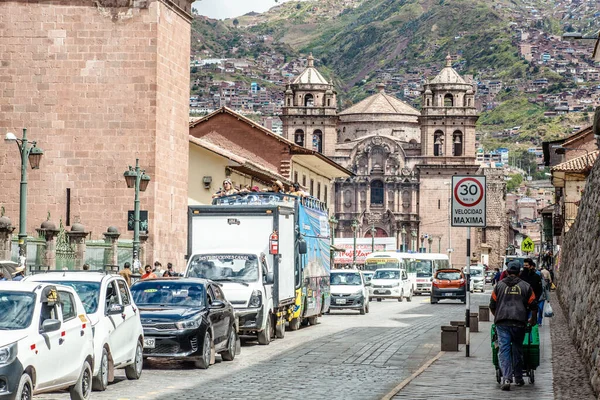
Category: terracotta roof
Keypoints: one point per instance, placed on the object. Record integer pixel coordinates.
(218, 140)
(578, 135)
(381, 103)
(579, 164)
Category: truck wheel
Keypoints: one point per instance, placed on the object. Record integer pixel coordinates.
(314, 320)
(280, 329)
(264, 336)
(295, 324)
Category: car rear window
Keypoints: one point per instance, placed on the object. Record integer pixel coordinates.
(449, 275)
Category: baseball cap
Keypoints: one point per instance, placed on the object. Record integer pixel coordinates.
(513, 266)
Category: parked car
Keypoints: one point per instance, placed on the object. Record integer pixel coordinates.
(477, 278)
(368, 275)
(391, 283)
(186, 318)
(115, 319)
(489, 276)
(46, 341)
(448, 284)
(349, 290)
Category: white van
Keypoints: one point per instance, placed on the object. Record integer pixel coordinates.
(391, 283)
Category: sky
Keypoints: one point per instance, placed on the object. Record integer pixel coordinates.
(221, 9)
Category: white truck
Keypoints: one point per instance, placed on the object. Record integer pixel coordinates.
(255, 247)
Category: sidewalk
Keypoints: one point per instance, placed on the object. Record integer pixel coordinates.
(454, 376)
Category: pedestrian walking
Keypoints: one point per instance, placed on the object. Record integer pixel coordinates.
(19, 274)
(512, 299)
(149, 274)
(496, 277)
(530, 276)
(169, 272)
(126, 273)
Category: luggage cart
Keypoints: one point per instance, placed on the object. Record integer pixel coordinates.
(531, 353)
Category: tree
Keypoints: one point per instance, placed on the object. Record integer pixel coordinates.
(514, 182)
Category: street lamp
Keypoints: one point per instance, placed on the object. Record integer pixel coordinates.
(34, 155)
(137, 179)
(354, 229)
(373, 230)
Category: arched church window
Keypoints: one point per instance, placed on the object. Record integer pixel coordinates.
(448, 100)
(377, 192)
(428, 102)
(317, 141)
(289, 102)
(438, 143)
(328, 102)
(309, 100)
(457, 143)
(377, 159)
(299, 137)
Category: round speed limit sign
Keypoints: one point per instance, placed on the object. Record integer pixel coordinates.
(468, 201)
(468, 192)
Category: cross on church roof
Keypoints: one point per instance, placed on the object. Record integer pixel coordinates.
(311, 60)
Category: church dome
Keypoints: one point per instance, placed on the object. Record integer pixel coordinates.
(382, 103)
(448, 74)
(310, 75)
(428, 91)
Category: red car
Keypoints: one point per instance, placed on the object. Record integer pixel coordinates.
(448, 284)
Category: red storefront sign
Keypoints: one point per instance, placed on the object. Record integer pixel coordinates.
(362, 250)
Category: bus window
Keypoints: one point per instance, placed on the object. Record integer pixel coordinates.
(372, 264)
(423, 268)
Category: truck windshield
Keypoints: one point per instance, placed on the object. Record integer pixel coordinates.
(17, 310)
(423, 268)
(224, 267)
(345, 278)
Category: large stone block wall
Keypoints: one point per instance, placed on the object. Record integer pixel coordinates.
(578, 278)
(98, 84)
(497, 223)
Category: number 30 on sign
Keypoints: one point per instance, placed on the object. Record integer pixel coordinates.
(468, 201)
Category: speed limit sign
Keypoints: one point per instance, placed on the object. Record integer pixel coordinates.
(468, 201)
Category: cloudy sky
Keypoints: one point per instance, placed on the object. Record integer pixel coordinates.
(222, 9)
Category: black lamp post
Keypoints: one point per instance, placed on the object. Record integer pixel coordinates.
(137, 179)
(34, 155)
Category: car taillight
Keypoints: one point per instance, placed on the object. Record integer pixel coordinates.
(461, 282)
(435, 282)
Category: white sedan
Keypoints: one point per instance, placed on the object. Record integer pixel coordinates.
(391, 283)
(46, 341)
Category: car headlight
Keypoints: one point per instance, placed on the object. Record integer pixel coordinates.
(359, 291)
(190, 324)
(395, 284)
(8, 353)
(255, 299)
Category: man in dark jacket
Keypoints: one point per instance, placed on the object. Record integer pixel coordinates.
(512, 299)
(530, 276)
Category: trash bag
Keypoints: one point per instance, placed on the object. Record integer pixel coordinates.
(548, 311)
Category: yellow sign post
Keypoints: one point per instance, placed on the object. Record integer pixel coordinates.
(527, 245)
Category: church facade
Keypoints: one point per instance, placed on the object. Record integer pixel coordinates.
(403, 160)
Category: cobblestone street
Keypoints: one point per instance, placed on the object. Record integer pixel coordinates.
(346, 356)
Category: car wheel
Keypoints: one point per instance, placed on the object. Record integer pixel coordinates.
(363, 309)
(314, 320)
(295, 324)
(367, 308)
(83, 387)
(207, 345)
(229, 354)
(134, 371)
(25, 388)
(410, 295)
(264, 336)
(378, 299)
(433, 300)
(401, 296)
(100, 382)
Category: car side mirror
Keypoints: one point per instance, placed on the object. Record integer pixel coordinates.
(302, 247)
(269, 279)
(115, 309)
(50, 325)
(217, 305)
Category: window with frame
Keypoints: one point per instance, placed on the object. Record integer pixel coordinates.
(312, 187)
(377, 192)
(325, 194)
(125, 295)
(67, 303)
(112, 295)
(218, 293)
(318, 190)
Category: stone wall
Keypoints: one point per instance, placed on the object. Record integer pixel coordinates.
(98, 84)
(578, 278)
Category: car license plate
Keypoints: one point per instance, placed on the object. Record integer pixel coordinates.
(149, 343)
(449, 294)
(340, 301)
(380, 291)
